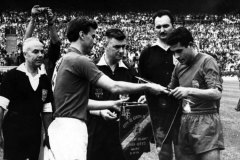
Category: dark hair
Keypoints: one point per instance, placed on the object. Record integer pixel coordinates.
(161, 13)
(115, 33)
(182, 35)
(77, 25)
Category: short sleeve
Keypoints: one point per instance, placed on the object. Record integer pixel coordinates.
(212, 74)
(47, 107)
(88, 69)
(49, 88)
(47, 93)
(6, 89)
(174, 79)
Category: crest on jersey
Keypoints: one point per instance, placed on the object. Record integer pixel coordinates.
(44, 94)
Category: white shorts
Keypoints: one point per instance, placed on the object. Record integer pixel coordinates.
(68, 139)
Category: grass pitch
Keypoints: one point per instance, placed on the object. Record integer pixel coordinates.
(230, 120)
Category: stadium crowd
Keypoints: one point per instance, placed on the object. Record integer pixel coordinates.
(217, 35)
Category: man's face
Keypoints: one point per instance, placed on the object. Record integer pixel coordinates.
(34, 55)
(89, 40)
(116, 49)
(163, 27)
(183, 54)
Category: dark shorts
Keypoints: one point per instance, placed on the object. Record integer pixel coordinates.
(200, 133)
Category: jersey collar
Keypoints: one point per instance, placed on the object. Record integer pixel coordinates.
(161, 45)
(102, 62)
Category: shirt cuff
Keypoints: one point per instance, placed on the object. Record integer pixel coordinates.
(4, 102)
(47, 107)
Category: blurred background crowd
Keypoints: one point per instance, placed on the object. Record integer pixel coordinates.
(217, 35)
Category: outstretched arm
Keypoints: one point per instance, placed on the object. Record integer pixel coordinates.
(52, 28)
(207, 94)
(126, 87)
(110, 104)
(31, 25)
(53, 52)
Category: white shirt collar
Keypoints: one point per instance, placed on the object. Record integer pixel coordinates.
(102, 62)
(23, 68)
(160, 44)
(34, 81)
(4, 102)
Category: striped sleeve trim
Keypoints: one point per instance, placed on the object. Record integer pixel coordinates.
(47, 107)
(4, 102)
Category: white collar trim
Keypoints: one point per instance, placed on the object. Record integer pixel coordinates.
(23, 68)
(34, 81)
(160, 44)
(102, 62)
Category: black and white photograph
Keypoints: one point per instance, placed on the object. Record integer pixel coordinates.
(119, 80)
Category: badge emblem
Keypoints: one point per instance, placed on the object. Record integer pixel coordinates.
(195, 83)
(127, 113)
(44, 94)
(99, 93)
